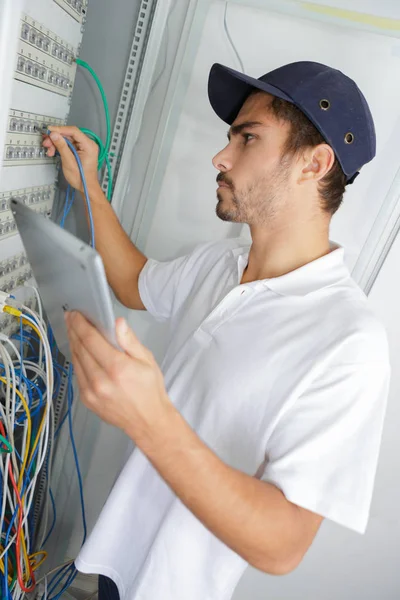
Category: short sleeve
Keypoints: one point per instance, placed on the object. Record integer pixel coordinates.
(164, 285)
(323, 452)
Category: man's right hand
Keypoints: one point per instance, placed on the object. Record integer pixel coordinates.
(87, 150)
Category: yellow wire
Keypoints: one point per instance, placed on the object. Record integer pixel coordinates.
(35, 566)
(17, 313)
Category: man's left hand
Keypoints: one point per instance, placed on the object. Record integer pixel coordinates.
(124, 388)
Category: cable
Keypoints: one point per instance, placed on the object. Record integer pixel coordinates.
(230, 39)
(104, 148)
(35, 442)
(86, 66)
(83, 178)
(70, 573)
(78, 470)
(78, 160)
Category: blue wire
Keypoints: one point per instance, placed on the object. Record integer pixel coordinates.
(16, 336)
(53, 504)
(78, 160)
(60, 368)
(69, 581)
(71, 568)
(78, 470)
(69, 201)
(65, 207)
(64, 418)
(59, 578)
(52, 340)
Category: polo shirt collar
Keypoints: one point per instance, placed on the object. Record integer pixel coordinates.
(322, 272)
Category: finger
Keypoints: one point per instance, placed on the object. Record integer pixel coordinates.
(129, 342)
(74, 133)
(81, 378)
(90, 371)
(66, 154)
(47, 143)
(92, 341)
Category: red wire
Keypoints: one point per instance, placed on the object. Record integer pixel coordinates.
(20, 513)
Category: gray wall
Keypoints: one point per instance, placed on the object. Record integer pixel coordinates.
(106, 45)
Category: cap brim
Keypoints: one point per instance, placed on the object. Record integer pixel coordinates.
(228, 89)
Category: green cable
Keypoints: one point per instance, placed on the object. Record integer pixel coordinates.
(98, 141)
(7, 444)
(103, 149)
(100, 144)
(86, 66)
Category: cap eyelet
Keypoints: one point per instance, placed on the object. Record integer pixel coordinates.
(349, 138)
(324, 104)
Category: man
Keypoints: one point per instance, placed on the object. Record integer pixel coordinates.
(266, 415)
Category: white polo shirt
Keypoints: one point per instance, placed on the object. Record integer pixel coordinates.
(285, 379)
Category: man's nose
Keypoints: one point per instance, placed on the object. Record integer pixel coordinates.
(223, 160)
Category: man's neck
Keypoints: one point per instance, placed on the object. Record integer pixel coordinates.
(275, 253)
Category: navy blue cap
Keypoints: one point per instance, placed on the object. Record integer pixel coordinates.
(331, 100)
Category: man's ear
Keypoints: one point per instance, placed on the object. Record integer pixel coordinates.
(317, 162)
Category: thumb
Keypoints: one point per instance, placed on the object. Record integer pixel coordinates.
(129, 342)
(61, 145)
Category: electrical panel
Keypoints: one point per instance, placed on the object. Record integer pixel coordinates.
(49, 34)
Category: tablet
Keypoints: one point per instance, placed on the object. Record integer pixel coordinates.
(69, 273)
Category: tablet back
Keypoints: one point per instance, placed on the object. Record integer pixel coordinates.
(70, 275)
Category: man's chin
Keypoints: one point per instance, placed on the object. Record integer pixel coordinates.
(226, 215)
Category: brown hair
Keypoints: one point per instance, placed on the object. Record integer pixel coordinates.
(304, 134)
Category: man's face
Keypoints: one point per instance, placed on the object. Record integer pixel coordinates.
(254, 178)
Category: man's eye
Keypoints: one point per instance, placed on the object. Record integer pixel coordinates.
(247, 137)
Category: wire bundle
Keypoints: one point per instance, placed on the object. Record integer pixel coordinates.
(26, 430)
(29, 384)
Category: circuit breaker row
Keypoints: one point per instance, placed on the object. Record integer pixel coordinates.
(40, 199)
(44, 59)
(14, 272)
(24, 139)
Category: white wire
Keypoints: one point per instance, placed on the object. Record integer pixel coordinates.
(230, 39)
